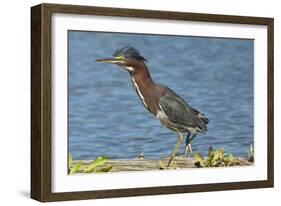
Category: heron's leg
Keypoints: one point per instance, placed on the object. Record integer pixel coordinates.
(180, 137)
(187, 143)
(194, 135)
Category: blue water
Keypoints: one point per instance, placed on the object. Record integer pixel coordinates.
(106, 117)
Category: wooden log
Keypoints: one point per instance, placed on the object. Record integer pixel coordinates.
(148, 164)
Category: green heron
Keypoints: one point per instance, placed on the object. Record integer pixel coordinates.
(172, 111)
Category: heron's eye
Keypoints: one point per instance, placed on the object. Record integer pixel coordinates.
(122, 58)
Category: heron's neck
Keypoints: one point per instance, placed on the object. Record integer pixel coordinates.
(144, 85)
(142, 77)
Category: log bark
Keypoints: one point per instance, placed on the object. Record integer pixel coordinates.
(148, 164)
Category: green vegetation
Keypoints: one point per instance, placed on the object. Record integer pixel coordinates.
(216, 158)
(96, 166)
(162, 166)
(75, 168)
(250, 157)
(69, 160)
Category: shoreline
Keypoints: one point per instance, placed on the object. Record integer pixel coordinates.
(142, 164)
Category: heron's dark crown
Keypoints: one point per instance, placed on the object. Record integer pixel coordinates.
(129, 52)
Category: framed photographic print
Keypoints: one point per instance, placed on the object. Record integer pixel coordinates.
(130, 102)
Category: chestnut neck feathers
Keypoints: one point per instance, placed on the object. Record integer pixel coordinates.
(145, 87)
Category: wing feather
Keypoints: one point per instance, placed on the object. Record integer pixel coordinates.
(179, 112)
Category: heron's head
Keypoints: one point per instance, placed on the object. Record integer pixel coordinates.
(127, 57)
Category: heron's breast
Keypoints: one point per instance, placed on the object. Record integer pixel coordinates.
(165, 121)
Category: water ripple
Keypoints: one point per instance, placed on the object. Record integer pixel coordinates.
(106, 117)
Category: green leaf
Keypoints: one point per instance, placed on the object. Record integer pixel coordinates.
(104, 169)
(199, 158)
(251, 149)
(227, 159)
(230, 158)
(173, 165)
(161, 165)
(206, 163)
(98, 161)
(218, 154)
(210, 152)
(69, 159)
(75, 167)
(251, 154)
(214, 164)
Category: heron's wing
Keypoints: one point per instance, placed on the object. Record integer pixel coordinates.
(201, 116)
(176, 110)
(179, 112)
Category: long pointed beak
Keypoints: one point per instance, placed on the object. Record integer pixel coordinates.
(110, 60)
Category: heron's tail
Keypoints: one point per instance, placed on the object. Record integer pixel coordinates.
(204, 119)
(204, 122)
